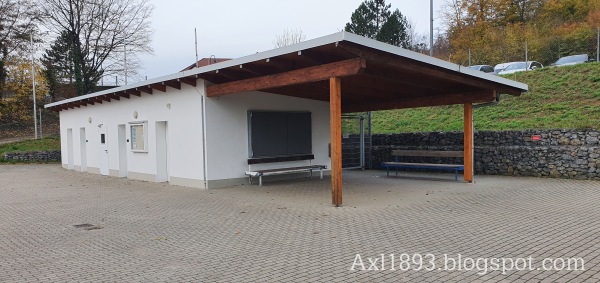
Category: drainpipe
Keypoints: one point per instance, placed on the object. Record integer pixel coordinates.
(203, 106)
(204, 138)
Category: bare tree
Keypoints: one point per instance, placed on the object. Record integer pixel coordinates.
(17, 22)
(100, 31)
(289, 37)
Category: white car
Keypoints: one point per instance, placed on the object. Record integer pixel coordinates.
(521, 66)
(500, 67)
(572, 60)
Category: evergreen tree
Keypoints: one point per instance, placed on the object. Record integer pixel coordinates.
(373, 19)
(394, 30)
(58, 64)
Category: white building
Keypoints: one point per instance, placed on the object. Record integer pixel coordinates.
(206, 126)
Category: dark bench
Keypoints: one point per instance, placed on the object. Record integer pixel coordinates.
(288, 170)
(430, 166)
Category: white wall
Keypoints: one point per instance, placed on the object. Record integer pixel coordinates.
(227, 131)
(180, 108)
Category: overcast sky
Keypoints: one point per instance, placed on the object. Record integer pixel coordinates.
(232, 29)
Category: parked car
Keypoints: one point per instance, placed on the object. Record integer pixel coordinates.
(572, 60)
(483, 68)
(500, 67)
(521, 66)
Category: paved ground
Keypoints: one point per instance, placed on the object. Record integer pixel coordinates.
(289, 232)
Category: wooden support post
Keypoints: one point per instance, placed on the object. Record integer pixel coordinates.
(335, 124)
(468, 147)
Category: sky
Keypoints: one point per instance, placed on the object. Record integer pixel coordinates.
(233, 29)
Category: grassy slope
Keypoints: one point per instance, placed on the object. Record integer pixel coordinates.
(565, 97)
(50, 143)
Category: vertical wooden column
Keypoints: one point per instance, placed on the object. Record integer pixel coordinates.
(468, 147)
(335, 124)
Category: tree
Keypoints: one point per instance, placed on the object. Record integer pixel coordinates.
(394, 31)
(98, 32)
(18, 21)
(289, 37)
(58, 66)
(373, 19)
(16, 105)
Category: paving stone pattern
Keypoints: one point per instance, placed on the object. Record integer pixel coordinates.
(287, 231)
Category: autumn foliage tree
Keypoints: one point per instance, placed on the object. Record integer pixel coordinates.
(496, 31)
(17, 103)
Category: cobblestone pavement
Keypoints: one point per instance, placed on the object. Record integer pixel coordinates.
(288, 231)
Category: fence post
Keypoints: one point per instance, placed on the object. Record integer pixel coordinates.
(526, 57)
(598, 46)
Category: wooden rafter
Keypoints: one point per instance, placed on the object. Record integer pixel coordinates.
(145, 89)
(160, 87)
(123, 94)
(174, 84)
(133, 92)
(188, 81)
(306, 75)
(414, 102)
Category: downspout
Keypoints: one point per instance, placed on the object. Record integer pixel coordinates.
(204, 159)
(203, 106)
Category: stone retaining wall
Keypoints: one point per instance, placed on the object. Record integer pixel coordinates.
(557, 153)
(33, 156)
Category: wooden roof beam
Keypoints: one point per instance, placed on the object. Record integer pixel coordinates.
(104, 97)
(114, 96)
(188, 81)
(134, 92)
(122, 94)
(306, 56)
(161, 87)
(279, 65)
(174, 84)
(145, 89)
(433, 100)
(300, 76)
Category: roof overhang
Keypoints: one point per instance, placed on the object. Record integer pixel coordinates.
(375, 76)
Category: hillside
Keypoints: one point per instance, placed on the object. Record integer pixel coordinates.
(563, 97)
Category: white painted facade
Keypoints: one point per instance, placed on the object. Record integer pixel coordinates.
(177, 138)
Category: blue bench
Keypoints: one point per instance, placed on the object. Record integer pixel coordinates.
(429, 166)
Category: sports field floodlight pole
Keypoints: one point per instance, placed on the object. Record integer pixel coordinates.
(431, 28)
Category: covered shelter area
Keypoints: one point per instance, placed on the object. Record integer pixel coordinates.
(356, 74)
(348, 72)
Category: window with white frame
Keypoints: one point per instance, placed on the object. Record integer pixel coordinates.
(139, 136)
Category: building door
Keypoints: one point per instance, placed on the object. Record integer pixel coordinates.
(162, 152)
(103, 150)
(70, 150)
(122, 151)
(83, 148)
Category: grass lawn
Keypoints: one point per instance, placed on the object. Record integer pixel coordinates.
(49, 143)
(558, 98)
